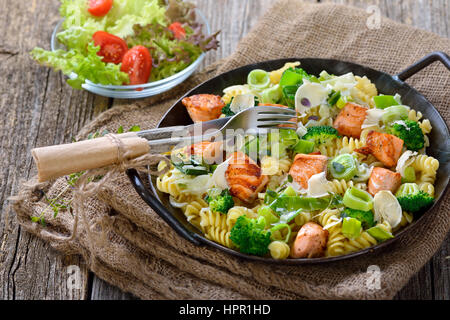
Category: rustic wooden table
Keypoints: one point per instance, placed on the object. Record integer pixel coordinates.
(37, 108)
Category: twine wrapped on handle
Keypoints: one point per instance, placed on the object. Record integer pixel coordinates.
(59, 160)
(86, 186)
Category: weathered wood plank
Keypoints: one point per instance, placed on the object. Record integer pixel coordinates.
(36, 108)
(424, 14)
(441, 272)
(102, 290)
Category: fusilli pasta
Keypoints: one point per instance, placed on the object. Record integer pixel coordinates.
(364, 241)
(427, 188)
(279, 250)
(192, 211)
(427, 167)
(330, 220)
(272, 166)
(364, 91)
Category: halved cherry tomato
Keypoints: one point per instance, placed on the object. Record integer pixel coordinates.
(178, 30)
(112, 48)
(137, 62)
(99, 8)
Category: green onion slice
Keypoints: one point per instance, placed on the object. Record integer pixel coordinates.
(358, 199)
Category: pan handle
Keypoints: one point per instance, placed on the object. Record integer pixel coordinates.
(423, 63)
(159, 208)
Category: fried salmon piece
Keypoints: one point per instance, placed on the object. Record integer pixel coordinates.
(350, 119)
(210, 151)
(311, 241)
(385, 147)
(203, 107)
(244, 177)
(384, 179)
(305, 166)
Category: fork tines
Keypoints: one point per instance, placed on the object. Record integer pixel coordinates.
(273, 117)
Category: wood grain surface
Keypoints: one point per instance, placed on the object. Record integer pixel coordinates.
(37, 108)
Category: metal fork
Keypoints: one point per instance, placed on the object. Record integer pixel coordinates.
(255, 120)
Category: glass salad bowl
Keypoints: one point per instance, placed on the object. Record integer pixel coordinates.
(141, 90)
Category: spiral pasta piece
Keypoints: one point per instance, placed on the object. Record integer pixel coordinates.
(331, 221)
(329, 150)
(414, 115)
(272, 166)
(209, 219)
(279, 250)
(237, 211)
(426, 127)
(427, 188)
(364, 91)
(348, 145)
(385, 226)
(364, 241)
(302, 218)
(192, 211)
(427, 167)
(370, 160)
(167, 184)
(284, 165)
(340, 146)
(339, 186)
(335, 243)
(219, 235)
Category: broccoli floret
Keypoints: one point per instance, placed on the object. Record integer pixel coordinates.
(410, 132)
(366, 217)
(219, 201)
(412, 199)
(249, 235)
(321, 135)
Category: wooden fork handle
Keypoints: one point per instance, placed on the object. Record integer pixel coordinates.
(59, 160)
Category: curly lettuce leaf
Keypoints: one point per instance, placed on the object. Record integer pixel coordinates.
(89, 66)
(126, 13)
(119, 20)
(170, 55)
(76, 38)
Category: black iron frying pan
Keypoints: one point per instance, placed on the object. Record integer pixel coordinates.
(386, 84)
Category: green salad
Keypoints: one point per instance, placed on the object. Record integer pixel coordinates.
(116, 42)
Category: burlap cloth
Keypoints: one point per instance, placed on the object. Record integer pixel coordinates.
(144, 256)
